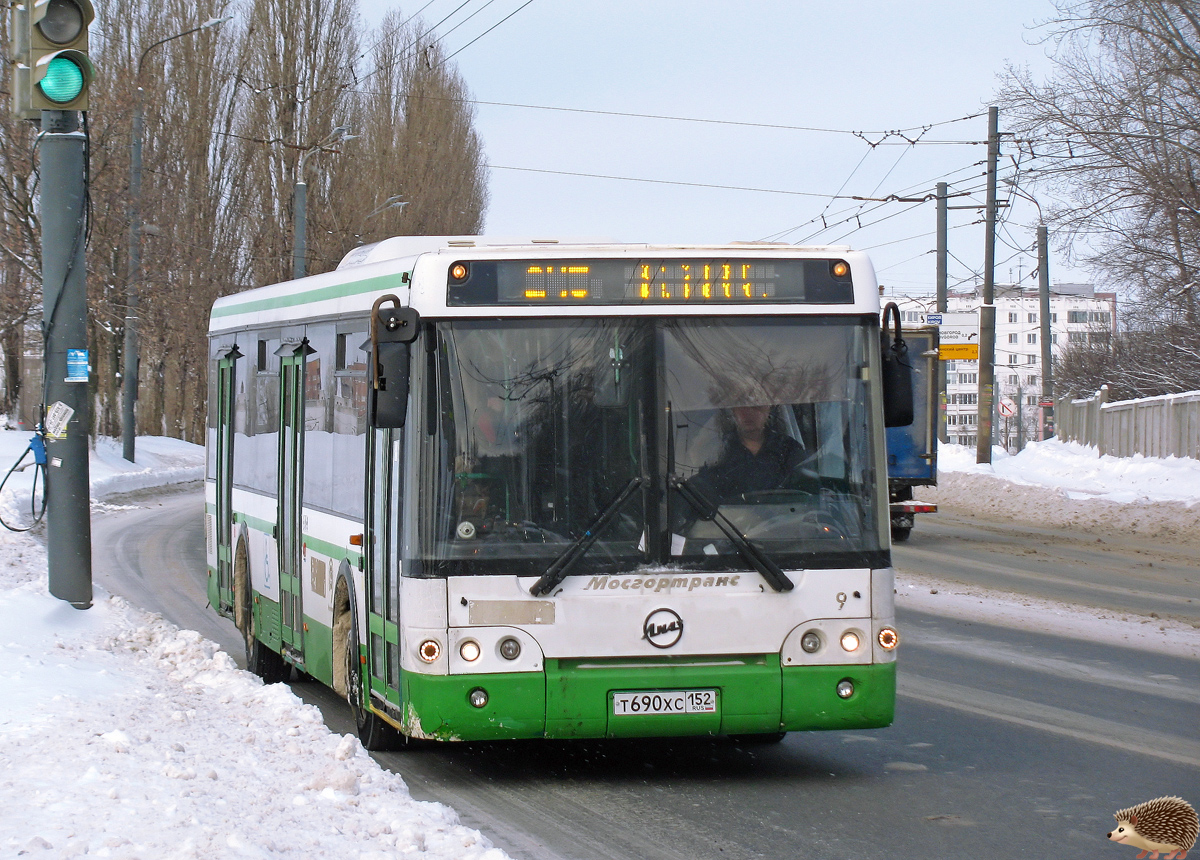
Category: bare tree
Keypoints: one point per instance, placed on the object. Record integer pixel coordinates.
(229, 112)
(1116, 132)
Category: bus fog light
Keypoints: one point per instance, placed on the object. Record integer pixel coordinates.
(845, 688)
(850, 641)
(469, 650)
(430, 650)
(811, 642)
(888, 638)
(477, 697)
(510, 649)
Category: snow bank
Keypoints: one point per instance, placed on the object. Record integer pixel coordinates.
(122, 736)
(1068, 485)
(160, 461)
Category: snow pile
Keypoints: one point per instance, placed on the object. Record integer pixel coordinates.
(122, 736)
(1065, 484)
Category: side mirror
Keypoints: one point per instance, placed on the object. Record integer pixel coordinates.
(393, 329)
(897, 373)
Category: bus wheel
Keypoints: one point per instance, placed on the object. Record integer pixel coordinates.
(901, 533)
(375, 733)
(260, 659)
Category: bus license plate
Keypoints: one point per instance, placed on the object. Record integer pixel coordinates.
(665, 702)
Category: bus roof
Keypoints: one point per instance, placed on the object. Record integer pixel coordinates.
(413, 268)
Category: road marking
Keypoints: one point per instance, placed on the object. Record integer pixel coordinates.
(1162, 686)
(1047, 718)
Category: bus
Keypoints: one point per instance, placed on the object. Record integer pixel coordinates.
(499, 490)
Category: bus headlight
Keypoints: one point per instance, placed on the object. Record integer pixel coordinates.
(469, 650)
(510, 649)
(430, 650)
(850, 641)
(888, 638)
(811, 642)
(845, 688)
(477, 697)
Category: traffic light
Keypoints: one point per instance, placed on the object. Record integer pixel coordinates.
(59, 69)
(20, 84)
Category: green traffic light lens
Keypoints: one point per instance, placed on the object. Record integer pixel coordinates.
(63, 81)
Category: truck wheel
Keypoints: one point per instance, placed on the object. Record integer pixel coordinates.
(900, 534)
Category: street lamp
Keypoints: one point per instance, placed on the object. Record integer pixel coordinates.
(393, 202)
(129, 382)
(300, 199)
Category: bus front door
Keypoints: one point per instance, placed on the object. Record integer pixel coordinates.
(289, 533)
(383, 563)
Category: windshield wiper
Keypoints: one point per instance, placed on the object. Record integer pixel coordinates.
(707, 510)
(561, 566)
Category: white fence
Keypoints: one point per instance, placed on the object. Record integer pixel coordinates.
(1153, 426)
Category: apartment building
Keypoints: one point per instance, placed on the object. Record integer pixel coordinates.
(1078, 314)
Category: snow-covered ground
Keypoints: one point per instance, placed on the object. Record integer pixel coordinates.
(1063, 484)
(122, 736)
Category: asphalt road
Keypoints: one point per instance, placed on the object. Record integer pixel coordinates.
(1006, 743)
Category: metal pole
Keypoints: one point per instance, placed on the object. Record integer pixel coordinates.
(942, 253)
(1020, 419)
(299, 226)
(129, 381)
(987, 313)
(1043, 241)
(64, 324)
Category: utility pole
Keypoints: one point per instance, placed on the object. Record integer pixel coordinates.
(64, 323)
(300, 200)
(1043, 242)
(942, 218)
(987, 313)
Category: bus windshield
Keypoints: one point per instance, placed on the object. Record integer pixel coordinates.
(643, 442)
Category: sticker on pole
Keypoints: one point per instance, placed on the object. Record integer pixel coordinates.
(57, 417)
(77, 365)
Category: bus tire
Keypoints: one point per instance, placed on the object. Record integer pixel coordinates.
(375, 733)
(261, 660)
(901, 533)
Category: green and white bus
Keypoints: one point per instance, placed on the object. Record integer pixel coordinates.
(501, 490)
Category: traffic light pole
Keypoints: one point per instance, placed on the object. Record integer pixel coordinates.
(64, 324)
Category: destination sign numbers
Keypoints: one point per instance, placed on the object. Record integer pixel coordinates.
(657, 281)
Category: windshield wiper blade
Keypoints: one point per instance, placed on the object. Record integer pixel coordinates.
(561, 566)
(762, 562)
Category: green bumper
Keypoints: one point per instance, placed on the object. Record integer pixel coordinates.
(573, 699)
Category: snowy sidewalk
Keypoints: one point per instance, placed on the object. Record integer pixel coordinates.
(123, 737)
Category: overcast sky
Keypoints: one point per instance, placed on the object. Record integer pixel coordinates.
(868, 66)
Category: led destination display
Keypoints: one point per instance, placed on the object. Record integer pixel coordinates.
(640, 282)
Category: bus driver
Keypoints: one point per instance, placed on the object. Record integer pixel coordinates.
(755, 457)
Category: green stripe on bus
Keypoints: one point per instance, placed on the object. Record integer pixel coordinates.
(318, 294)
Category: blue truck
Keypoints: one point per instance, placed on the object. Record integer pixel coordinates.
(912, 450)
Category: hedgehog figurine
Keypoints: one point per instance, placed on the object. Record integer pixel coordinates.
(1167, 825)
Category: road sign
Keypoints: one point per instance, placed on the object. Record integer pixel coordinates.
(958, 336)
(1007, 407)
